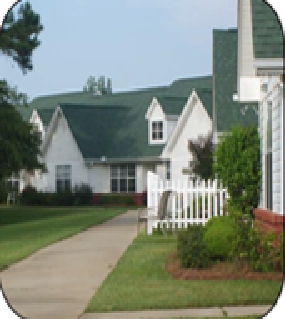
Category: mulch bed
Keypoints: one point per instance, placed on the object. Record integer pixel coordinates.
(218, 271)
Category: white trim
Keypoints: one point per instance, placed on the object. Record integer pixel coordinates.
(164, 131)
(192, 100)
(154, 103)
(269, 64)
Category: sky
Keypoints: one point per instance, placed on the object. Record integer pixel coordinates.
(136, 43)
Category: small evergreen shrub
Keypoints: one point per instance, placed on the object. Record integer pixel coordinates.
(82, 194)
(219, 236)
(191, 248)
(29, 196)
(3, 192)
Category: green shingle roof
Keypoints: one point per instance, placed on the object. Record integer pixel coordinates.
(184, 87)
(267, 31)
(228, 112)
(110, 130)
(172, 105)
(114, 125)
(45, 115)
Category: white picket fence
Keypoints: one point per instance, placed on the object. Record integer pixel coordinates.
(189, 202)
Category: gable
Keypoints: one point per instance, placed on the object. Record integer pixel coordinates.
(194, 120)
(61, 146)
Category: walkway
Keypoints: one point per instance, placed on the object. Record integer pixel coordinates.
(59, 280)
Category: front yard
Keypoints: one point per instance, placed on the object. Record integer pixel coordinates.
(24, 230)
(140, 281)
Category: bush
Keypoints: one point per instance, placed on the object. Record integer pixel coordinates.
(266, 255)
(219, 235)
(29, 196)
(3, 192)
(238, 166)
(116, 199)
(82, 194)
(191, 249)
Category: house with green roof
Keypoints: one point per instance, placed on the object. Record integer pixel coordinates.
(111, 141)
(260, 78)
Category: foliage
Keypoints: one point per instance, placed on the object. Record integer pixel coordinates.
(218, 237)
(238, 166)
(202, 152)
(191, 249)
(116, 199)
(19, 36)
(140, 276)
(82, 194)
(3, 192)
(19, 143)
(29, 196)
(98, 87)
(262, 250)
(267, 252)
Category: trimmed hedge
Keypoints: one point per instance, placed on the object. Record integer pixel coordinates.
(81, 195)
(219, 236)
(116, 199)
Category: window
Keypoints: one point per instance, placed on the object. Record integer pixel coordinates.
(123, 178)
(63, 178)
(157, 130)
(168, 170)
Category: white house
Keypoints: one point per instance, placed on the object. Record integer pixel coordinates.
(114, 141)
(261, 80)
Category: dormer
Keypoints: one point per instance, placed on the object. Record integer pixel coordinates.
(157, 124)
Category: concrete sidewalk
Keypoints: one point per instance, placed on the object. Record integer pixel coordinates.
(58, 281)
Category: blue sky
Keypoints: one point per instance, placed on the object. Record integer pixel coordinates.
(137, 43)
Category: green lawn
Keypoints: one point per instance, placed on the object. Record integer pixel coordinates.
(140, 282)
(24, 230)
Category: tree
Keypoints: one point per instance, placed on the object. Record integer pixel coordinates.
(202, 152)
(98, 87)
(238, 166)
(19, 36)
(19, 140)
(91, 85)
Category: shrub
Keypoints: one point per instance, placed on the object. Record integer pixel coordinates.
(238, 166)
(116, 199)
(29, 196)
(3, 192)
(191, 249)
(219, 235)
(82, 194)
(266, 255)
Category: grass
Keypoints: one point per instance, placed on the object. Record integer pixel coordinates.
(24, 230)
(140, 282)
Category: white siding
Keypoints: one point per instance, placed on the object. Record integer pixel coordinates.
(170, 127)
(273, 95)
(63, 150)
(99, 178)
(197, 123)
